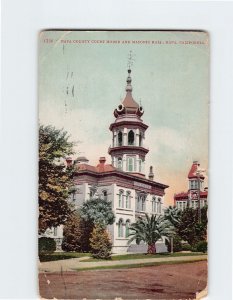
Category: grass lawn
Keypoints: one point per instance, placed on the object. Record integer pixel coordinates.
(62, 255)
(142, 256)
(151, 264)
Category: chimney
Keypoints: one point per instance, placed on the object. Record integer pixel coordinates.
(102, 160)
(81, 160)
(151, 174)
(69, 161)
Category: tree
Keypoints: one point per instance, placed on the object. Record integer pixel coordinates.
(76, 234)
(173, 215)
(100, 243)
(150, 230)
(55, 179)
(189, 229)
(98, 211)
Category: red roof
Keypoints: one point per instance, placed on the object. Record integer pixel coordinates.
(100, 168)
(129, 102)
(193, 170)
(184, 195)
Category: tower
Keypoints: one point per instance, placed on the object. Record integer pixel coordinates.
(128, 150)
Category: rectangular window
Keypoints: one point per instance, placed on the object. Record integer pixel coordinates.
(130, 164)
(55, 231)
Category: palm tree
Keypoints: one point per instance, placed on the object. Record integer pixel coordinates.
(150, 230)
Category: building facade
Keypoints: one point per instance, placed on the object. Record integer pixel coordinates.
(123, 182)
(196, 191)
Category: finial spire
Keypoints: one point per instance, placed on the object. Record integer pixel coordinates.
(129, 65)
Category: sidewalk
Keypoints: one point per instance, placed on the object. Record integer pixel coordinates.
(76, 263)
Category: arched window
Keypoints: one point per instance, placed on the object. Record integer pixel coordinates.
(105, 195)
(119, 163)
(159, 206)
(130, 162)
(141, 202)
(120, 228)
(154, 208)
(127, 224)
(127, 200)
(131, 137)
(140, 139)
(119, 138)
(120, 201)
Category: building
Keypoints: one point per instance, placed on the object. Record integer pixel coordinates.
(196, 190)
(123, 182)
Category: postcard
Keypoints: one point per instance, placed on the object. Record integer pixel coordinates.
(123, 164)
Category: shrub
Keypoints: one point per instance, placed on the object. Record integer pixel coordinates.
(186, 247)
(76, 234)
(46, 245)
(201, 246)
(100, 243)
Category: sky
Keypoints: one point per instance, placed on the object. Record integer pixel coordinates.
(170, 77)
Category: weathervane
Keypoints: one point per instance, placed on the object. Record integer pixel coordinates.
(131, 59)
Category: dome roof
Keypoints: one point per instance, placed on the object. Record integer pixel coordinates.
(128, 105)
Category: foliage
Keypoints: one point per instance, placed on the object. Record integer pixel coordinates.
(55, 179)
(46, 245)
(62, 255)
(173, 214)
(100, 243)
(177, 246)
(150, 230)
(76, 234)
(186, 247)
(189, 229)
(98, 211)
(201, 246)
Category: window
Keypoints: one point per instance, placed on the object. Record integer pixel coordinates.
(127, 224)
(131, 137)
(159, 206)
(120, 228)
(119, 138)
(105, 195)
(140, 165)
(141, 202)
(119, 163)
(130, 161)
(140, 139)
(91, 194)
(55, 231)
(73, 196)
(154, 208)
(127, 200)
(120, 202)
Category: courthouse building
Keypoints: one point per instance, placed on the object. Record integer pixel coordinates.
(196, 191)
(123, 182)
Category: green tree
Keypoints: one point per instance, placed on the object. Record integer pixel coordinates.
(76, 234)
(98, 211)
(173, 215)
(55, 179)
(189, 229)
(100, 243)
(150, 230)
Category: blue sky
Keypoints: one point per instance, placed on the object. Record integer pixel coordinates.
(170, 80)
